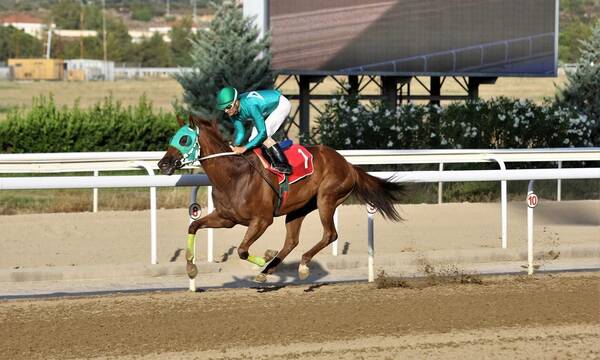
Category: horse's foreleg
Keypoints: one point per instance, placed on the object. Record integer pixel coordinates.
(291, 241)
(212, 220)
(255, 229)
(293, 222)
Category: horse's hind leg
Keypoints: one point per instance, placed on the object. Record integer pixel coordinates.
(327, 205)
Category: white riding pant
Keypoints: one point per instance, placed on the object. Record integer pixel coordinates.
(276, 118)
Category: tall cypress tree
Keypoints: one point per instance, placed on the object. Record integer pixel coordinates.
(230, 53)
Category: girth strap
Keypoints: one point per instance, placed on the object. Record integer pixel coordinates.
(282, 195)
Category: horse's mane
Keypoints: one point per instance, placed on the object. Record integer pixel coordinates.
(210, 127)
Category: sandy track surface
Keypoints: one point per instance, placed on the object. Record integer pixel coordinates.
(540, 317)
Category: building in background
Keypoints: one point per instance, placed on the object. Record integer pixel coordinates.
(31, 25)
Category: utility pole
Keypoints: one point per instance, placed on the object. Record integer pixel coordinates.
(104, 30)
(194, 11)
(104, 39)
(81, 28)
(49, 46)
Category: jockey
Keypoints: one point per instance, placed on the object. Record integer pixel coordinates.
(267, 109)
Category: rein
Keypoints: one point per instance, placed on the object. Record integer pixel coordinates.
(249, 162)
(216, 155)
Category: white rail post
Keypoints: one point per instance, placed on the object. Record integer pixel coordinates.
(532, 201)
(559, 184)
(153, 245)
(336, 220)
(440, 186)
(371, 242)
(209, 250)
(193, 196)
(95, 196)
(504, 204)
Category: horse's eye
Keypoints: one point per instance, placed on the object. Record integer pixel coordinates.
(185, 141)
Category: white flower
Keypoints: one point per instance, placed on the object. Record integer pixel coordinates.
(566, 141)
(390, 144)
(347, 142)
(444, 142)
(370, 123)
(343, 125)
(355, 110)
(354, 118)
(501, 117)
(334, 101)
(432, 135)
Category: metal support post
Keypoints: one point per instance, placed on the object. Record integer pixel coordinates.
(435, 90)
(95, 196)
(371, 242)
(193, 196)
(559, 185)
(209, 244)
(336, 219)
(440, 186)
(153, 242)
(532, 201)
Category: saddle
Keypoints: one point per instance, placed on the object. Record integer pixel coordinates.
(301, 161)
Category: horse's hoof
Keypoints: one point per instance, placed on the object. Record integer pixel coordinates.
(192, 270)
(260, 278)
(270, 254)
(303, 271)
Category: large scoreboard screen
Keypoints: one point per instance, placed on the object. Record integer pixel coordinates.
(413, 37)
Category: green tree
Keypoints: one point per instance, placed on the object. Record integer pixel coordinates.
(181, 45)
(153, 52)
(118, 41)
(582, 90)
(142, 11)
(66, 14)
(15, 43)
(230, 52)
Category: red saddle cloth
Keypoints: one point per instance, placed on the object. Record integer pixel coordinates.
(299, 158)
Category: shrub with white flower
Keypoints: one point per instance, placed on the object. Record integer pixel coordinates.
(501, 123)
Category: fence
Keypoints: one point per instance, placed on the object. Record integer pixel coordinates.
(95, 162)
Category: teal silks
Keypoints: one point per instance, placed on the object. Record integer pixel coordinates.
(186, 141)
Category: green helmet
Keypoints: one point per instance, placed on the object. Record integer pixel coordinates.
(226, 97)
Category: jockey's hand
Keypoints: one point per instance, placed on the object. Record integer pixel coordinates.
(238, 150)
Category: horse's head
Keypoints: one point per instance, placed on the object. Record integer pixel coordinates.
(183, 149)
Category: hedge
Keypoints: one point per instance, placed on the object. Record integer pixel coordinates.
(106, 126)
(499, 123)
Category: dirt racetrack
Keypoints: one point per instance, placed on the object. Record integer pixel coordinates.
(543, 317)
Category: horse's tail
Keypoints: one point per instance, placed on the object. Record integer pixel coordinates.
(379, 193)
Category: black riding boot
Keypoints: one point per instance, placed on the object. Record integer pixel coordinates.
(278, 160)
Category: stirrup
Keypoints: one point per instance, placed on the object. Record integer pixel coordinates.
(282, 168)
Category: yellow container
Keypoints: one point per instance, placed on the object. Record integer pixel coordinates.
(76, 75)
(36, 69)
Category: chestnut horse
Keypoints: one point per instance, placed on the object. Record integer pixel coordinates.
(245, 193)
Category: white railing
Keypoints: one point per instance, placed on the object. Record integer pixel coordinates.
(112, 161)
(87, 162)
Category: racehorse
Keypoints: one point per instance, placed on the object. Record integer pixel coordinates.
(245, 193)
